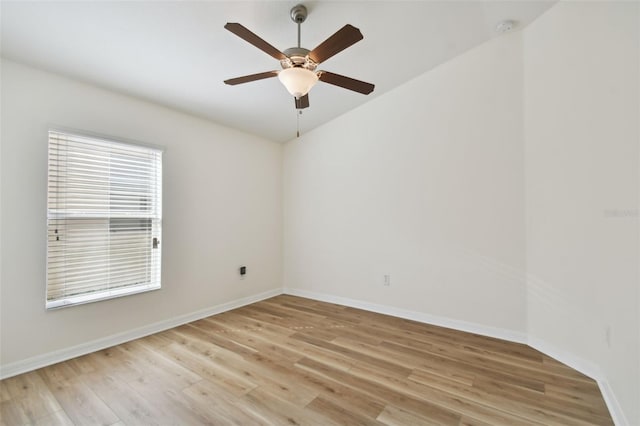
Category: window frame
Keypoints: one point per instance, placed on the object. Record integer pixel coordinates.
(155, 229)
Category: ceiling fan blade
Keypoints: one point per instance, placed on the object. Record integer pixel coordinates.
(343, 38)
(250, 37)
(346, 82)
(252, 77)
(303, 102)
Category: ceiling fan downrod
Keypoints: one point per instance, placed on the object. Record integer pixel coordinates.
(299, 15)
(298, 57)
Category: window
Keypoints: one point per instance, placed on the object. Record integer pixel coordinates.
(104, 219)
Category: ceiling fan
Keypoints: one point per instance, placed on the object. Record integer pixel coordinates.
(298, 73)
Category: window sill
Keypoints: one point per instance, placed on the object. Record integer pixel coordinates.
(98, 296)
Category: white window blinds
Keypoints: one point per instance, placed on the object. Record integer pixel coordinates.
(104, 217)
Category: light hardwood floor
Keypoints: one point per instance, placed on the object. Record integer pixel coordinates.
(289, 360)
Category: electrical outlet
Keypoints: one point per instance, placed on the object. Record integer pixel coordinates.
(387, 280)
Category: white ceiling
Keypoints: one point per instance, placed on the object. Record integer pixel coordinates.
(178, 53)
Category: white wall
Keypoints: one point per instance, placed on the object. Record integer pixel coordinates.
(424, 183)
(581, 73)
(222, 209)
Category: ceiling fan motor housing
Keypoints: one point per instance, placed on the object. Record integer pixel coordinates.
(298, 57)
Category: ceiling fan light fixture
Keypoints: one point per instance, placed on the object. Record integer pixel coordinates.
(297, 80)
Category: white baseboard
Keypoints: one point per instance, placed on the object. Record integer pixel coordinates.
(484, 330)
(39, 361)
(619, 419)
(588, 369)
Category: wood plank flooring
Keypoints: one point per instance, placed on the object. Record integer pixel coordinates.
(295, 361)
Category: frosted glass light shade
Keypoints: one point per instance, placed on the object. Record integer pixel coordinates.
(298, 81)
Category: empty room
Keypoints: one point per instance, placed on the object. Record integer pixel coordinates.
(320, 213)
